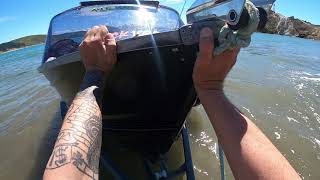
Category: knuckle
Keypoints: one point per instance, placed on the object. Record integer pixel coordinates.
(89, 32)
(103, 28)
(83, 44)
(96, 41)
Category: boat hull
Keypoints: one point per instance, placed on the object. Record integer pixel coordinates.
(146, 99)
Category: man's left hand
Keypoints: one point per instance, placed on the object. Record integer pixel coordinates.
(98, 50)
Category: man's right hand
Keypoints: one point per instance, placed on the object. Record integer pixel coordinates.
(250, 153)
(209, 70)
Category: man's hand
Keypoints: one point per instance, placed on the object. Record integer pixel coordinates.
(98, 50)
(249, 152)
(76, 153)
(209, 70)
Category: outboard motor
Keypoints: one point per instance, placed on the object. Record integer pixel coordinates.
(150, 91)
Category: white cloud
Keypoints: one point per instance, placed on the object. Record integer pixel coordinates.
(6, 18)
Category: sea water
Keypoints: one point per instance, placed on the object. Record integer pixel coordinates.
(275, 83)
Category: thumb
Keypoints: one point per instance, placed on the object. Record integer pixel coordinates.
(206, 43)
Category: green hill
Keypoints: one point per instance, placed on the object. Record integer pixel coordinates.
(22, 42)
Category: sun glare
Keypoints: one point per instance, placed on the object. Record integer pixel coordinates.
(145, 18)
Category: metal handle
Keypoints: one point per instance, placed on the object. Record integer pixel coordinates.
(245, 17)
(226, 10)
(243, 21)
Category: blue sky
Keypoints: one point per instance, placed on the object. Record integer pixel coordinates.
(20, 18)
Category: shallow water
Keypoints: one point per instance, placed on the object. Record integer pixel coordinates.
(275, 83)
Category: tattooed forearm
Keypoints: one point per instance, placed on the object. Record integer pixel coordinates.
(77, 150)
(79, 141)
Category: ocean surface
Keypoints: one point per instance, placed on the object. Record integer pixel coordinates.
(275, 83)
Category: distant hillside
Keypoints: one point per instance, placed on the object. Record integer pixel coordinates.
(22, 42)
(290, 26)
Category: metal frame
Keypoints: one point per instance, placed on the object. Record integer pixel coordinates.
(86, 4)
(186, 168)
(164, 173)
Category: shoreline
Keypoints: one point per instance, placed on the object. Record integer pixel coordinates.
(292, 36)
(15, 49)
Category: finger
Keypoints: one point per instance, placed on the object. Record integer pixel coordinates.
(235, 55)
(105, 28)
(101, 33)
(87, 37)
(111, 48)
(88, 34)
(234, 52)
(95, 27)
(110, 40)
(92, 33)
(206, 43)
(92, 30)
(232, 57)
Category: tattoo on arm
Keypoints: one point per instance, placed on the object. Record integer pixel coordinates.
(79, 140)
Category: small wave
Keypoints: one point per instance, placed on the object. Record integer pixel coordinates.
(200, 171)
(304, 80)
(317, 141)
(300, 86)
(248, 110)
(278, 136)
(317, 117)
(304, 73)
(311, 79)
(292, 119)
